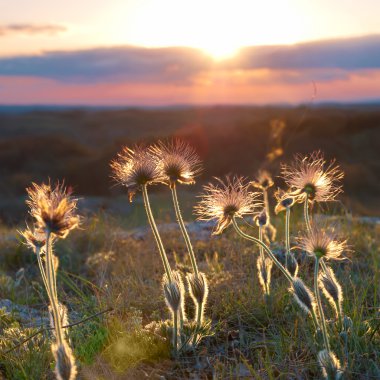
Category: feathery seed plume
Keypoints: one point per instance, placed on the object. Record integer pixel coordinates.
(177, 161)
(225, 200)
(310, 176)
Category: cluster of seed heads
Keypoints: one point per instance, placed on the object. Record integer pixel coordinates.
(309, 179)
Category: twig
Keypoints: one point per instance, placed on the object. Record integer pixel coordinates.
(43, 329)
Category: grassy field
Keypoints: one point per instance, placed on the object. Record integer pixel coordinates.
(251, 337)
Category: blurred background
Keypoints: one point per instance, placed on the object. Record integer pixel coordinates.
(247, 87)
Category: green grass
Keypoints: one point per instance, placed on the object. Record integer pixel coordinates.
(260, 339)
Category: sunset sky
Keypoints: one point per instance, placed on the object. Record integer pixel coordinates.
(164, 52)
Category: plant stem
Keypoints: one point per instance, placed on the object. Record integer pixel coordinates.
(319, 303)
(266, 249)
(306, 214)
(50, 283)
(266, 202)
(183, 229)
(156, 234)
(199, 322)
(175, 331)
(287, 235)
(42, 270)
(261, 239)
(339, 311)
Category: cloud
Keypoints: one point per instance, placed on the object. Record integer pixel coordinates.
(135, 64)
(320, 61)
(346, 54)
(31, 29)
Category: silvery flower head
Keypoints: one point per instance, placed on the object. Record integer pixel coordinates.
(310, 176)
(53, 209)
(226, 200)
(135, 168)
(177, 162)
(323, 244)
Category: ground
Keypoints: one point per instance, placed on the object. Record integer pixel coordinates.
(103, 266)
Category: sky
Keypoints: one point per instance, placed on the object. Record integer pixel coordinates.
(167, 52)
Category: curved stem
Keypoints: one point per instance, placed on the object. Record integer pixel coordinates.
(319, 303)
(306, 214)
(183, 229)
(287, 236)
(266, 249)
(42, 270)
(50, 283)
(156, 234)
(261, 239)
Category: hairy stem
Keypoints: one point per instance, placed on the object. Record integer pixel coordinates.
(266, 249)
(175, 331)
(50, 282)
(42, 270)
(261, 239)
(319, 304)
(306, 214)
(199, 322)
(156, 234)
(287, 236)
(183, 229)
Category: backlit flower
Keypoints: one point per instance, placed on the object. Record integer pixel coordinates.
(177, 161)
(34, 239)
(134, 168)
(53, 209)
(312, 177)
(263, 180)
(226, 200)
(284, 200)
(322, 244)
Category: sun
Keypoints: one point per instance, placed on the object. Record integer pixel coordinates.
(218, 28)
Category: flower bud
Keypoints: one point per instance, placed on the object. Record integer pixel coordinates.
(331, 288)
(330, 365)
(303, 295)
(65, 368)
(174, 292)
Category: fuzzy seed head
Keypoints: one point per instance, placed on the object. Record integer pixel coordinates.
(263, 180)
(34, 239)
(226, 200)
(177, 162)
(65, 368)
(323, 244)
(264, 269)
(53, 209)
(174, 292)
(330, 365)
(311, 177)
(284, 200)
(303, 295)
(134, 168)
(331, 288)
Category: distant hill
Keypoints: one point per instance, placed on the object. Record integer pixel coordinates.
(78, 143)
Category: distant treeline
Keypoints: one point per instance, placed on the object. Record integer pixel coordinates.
(78, 144)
